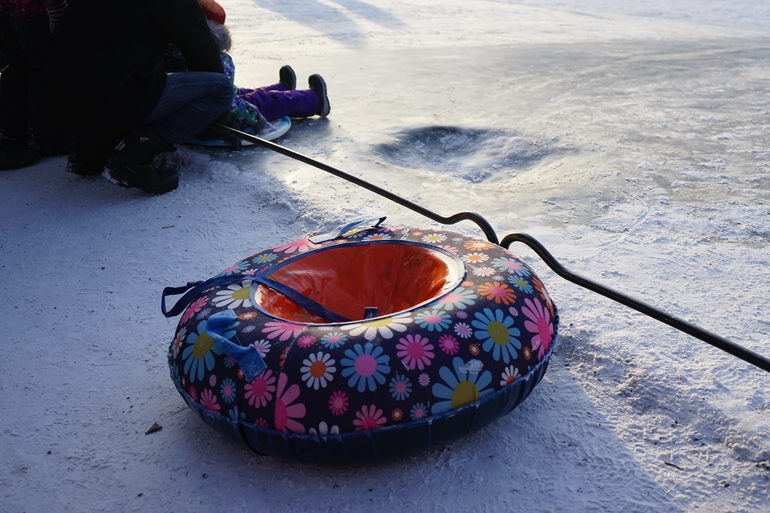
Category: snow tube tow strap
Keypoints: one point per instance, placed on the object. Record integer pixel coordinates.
(194, 288)
(247, 357)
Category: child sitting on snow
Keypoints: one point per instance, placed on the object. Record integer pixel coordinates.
(252, 108)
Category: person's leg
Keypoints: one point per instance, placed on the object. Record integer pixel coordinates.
(34, 37)
(13, 85)
(190, 101)
(14, 150)
(276, 104)
(287, 80)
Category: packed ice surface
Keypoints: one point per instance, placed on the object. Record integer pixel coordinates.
(633, 140)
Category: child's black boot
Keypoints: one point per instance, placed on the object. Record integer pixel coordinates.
(318, 86)
(287, 77)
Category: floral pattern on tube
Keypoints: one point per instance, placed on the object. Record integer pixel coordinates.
(458, 347)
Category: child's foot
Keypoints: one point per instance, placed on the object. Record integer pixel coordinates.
(288, 78)
(318, 86)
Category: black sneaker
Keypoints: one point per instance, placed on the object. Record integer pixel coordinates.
(318, 86)
(287, 77)
(130, 165)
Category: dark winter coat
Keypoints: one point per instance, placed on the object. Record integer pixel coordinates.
(105, 68)
(246, 115)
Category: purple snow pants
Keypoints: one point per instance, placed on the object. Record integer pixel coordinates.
(275, 101)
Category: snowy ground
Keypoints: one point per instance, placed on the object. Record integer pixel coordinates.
(633, 141)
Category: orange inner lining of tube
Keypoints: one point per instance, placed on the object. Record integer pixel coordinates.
(347, 279)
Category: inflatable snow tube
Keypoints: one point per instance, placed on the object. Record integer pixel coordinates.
(362, 344)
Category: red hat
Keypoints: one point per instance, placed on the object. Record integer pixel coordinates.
(213, 11)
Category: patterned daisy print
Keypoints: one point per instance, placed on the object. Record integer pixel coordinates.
(510, 374)
(324, 429)
(306, 341)
(236, 415)
(317, 370)
(498, 334)
(177, 345)
(483, 271)
(227, 390)
(459, 298)
(479, 245)
(286, 411)
(448, 344)
(333, 339)
(497, 292)
(538, 322)
(209, 400)
(544, 295)
(282, 329)
(369, 417)
(263, 347)
(264, 258)
(193, 309)
(400, 387)
(475, 258)
(415, 351)
(435, 320)
(522, 285)
(234, 296)
(463, 330)
(199, 354)
(261, 390)
(463, 384)
(300, 246)
(235, 269)
(378, 236)
(365, 367)
(338, 402)
(383, 327)
(370, 373)
(419, 411)
(511, 265)
(434, 238)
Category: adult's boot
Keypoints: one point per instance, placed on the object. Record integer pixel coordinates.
(130, 164)
(14, 154)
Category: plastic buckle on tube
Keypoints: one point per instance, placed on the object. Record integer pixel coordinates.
(355, 226)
